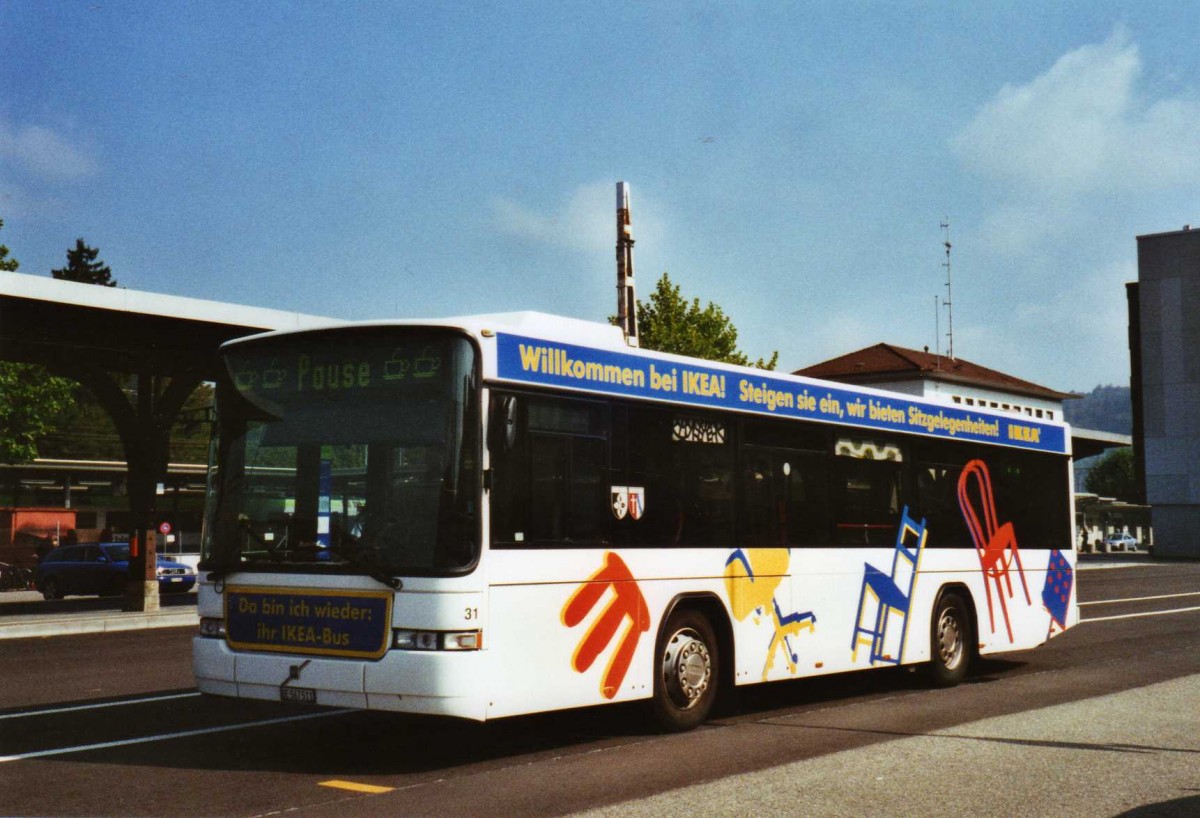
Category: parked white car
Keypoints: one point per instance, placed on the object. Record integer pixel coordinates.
(1121, 542)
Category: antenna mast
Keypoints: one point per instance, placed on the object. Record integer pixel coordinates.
(948, 303)
(937, 330)
(626, 291)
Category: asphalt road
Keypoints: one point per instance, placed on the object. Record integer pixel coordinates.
(1102, 721)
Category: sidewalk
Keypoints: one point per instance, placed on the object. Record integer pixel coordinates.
(1129, 753)
(25, 614)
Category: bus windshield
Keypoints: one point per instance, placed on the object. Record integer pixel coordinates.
(346, 450)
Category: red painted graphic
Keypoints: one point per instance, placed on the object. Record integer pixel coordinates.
(626, 606)
(996, 543)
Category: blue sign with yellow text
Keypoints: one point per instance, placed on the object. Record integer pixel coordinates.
(550, 363)
(297, 620)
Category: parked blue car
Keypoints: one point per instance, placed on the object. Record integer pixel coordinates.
(102, 569)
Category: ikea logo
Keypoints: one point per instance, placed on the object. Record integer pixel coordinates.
(1025, 434)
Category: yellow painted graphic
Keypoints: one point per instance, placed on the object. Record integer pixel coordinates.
(752, 577)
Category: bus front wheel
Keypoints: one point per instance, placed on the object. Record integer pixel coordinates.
(686, 671)
(950, 641)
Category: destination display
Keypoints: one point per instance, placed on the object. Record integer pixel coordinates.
(550, 363)
(282, 372)
(344, 623)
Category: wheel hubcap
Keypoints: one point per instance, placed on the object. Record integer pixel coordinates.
(950, 644)
(686, 668)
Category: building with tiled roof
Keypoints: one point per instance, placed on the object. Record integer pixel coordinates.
(924, 374)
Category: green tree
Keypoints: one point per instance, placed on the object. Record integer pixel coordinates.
(1114, 475)
(30, 403)
(7, 265)
(83, 266)
(670, 323)
(31, 400)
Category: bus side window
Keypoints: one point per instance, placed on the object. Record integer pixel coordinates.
(1031, 496)
(806, 500)
(648, 466)
(867, 492)
(760, 512)
(702, 467)
(509, 464)
(685, 464)
(937, 504)
(785, 485)
(549, 486)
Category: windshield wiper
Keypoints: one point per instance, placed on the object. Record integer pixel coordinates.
(373, 569)
(273, 553)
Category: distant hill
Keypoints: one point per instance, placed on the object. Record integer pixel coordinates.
(1105, 409)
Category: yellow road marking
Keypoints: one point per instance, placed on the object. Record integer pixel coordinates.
(356, 787)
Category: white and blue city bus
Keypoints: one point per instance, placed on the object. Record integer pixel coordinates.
(509, 514)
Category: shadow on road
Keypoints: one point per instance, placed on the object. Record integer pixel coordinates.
(374, 743)
(1178, 808)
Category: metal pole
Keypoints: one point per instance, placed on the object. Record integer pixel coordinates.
(626, 290)
(949, 302)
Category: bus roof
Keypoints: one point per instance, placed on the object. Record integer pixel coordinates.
(540, 349)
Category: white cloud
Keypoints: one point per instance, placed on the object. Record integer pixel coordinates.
(585, 221)
(45, 153)
(1085, 125)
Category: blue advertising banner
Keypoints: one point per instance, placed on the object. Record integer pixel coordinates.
(550, 363)
(294, 620)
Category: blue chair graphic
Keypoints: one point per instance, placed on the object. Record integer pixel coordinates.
(910, 541)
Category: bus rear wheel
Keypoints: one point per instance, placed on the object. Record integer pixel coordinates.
(950, 641)
(686, 671)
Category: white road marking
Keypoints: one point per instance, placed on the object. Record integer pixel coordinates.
(167, 736)
(1138, 598)
(98, 706)
(1136, 615)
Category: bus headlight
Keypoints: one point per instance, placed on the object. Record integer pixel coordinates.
(212, 628)
(403, 639)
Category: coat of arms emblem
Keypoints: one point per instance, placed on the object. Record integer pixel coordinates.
(637, 502)
(620, 501)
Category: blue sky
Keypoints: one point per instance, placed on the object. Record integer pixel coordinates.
(790, 161)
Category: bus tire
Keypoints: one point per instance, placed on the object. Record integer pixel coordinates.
(950, 641)
(687, 671)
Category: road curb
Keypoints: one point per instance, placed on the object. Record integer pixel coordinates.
(40, 626)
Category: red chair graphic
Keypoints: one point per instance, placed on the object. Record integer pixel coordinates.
(995, 544)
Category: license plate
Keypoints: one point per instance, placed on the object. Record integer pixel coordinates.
(304, 695)
(176, 579)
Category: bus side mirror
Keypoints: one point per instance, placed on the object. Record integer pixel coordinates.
(502, 430)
